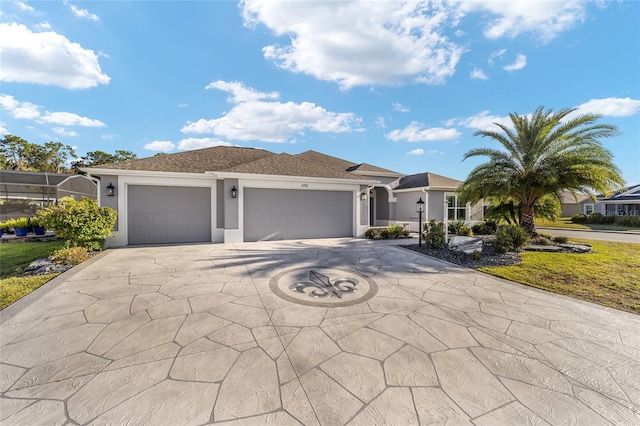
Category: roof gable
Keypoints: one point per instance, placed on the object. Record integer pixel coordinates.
(427, 179)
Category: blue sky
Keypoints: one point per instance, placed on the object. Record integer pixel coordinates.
(400, 85)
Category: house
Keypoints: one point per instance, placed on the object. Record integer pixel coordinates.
(22, 194)
(624, 203)
(577, 204)
(232, 195)
(440, 197)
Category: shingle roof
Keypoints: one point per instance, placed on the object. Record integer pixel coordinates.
(368, 168)
(335, 162)
(568, 198)
(197, 161)
(427, 179)
(341, 164)
(290, 165)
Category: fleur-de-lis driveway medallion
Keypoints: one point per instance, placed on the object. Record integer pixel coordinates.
(323, 286)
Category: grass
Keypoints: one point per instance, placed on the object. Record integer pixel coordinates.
(608, 277)
(565, 222)
(14, 257)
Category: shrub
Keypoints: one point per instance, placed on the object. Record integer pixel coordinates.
(510, 237)
(631, 221)
(540, 240)
(579, 218)
(70, 255)
(372, 234)
(460, 228)
(83, 222)
(561, 240)
(488, 227)
(600, 219)
(433, 234)
(476, 255)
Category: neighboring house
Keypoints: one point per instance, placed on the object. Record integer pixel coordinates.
(623, 203)
(577, 204)
(22, 194)
(232, 195)
(439, 194)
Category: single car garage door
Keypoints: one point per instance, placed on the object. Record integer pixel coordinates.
(285, 214)
(168, 214)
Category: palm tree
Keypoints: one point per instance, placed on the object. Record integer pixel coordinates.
(545, 153)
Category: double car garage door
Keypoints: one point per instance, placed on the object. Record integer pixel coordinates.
(172, 214)
(286, 214)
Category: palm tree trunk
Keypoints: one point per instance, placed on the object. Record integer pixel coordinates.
(526, 220)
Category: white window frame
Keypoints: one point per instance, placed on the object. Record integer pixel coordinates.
(456, 207)
(586, 209)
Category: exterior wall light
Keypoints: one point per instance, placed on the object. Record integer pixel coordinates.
(234, 192)
(111, 190)
(420, 210)
(363, 196)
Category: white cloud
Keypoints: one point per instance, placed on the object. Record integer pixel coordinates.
(421, 151)
(520, 62)
(241, 93)
(546, 19)
(25, 7)
(380, 122)
(42, 26)
(496, 55)
(69, 119)
(162, 146)
(108, 137)
(415, 132)
(254, 119)
(196, 143)
(399, 107)
(185, 144)
(83, 13)
(610, 107)
(3, 130)
(478, 74)
(183, 105)
(361, 42)
(483, 121)
(62, 132)
(47, 58)
(19, 109)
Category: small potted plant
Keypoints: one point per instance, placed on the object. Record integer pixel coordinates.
(38, 226)
(20, 226)
(2, 226)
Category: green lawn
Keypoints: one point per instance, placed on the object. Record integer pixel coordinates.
(565, 222)
(14, 257)
(609, 277)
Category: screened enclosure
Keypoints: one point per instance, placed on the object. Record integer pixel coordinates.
(22, 194)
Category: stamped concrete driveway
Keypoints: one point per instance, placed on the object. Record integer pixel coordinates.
(201, 334)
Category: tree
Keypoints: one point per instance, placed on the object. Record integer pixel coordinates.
(18, 154)
(547, 207)
(96, 158)
(14, 150)
(545, 153)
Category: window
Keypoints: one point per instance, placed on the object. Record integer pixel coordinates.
(588, 209)
(455, 209)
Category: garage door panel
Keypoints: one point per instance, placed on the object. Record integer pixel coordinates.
(159, 214)
(280, 214)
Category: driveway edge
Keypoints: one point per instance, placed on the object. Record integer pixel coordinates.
(19, 305)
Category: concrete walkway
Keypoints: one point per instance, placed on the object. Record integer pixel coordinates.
(229, 334)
